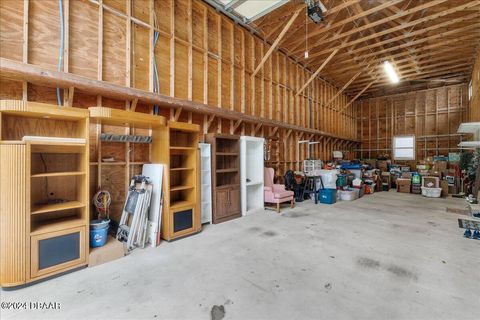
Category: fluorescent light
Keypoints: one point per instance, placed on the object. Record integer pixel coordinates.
(390, 72)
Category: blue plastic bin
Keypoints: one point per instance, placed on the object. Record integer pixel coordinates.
(98, 233)
(328, 196)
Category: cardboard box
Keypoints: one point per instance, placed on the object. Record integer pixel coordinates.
(407, 175)
(430, 182)
(403, 185)
(444, 186)
(112, 250)
(440, 166)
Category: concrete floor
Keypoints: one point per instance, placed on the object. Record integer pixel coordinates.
(385, 256)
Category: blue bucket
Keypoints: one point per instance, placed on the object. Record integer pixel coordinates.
(98, 233)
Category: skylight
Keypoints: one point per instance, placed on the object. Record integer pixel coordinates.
(252, 9)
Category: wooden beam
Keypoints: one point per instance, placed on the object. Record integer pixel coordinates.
(358, 95)
(315, 74)
(343, 89)
(342, 22)
(277, 41)
(178, 112)
(405, 35)
(51, 78)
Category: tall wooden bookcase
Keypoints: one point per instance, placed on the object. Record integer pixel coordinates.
(225, 176)
(181, 212)
(44, 198)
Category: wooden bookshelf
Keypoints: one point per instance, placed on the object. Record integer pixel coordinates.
(44, 190)
(181, 213)
(225, 176)
(129, 156)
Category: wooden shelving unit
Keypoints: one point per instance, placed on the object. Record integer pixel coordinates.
(225, 176)
(206, 181)
(44, 190)
(179, 151)
(115, 176)
(251, 173)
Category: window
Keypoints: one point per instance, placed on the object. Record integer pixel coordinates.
(404, 148)
(470, 89)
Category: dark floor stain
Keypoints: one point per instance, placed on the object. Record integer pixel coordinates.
(254, 229)
(328, 286)
(269, 233)
(295, 215)
(217, 313)
(368, 263)
(443, 261)
(401, 272)
(228, 302)
(434, 224)
(333, 257)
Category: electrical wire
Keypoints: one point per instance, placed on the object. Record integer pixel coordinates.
(156, 80)
(62, 44)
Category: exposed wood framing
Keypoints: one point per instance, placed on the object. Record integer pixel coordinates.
(316, 73)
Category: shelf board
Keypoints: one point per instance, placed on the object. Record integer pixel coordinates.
(57, 224)
(178, 188)
(181, 169)
(58, 174)
(139, 162)
(469, 127)
(225, 186)
(227, 153)
(469, 144)
(118, 117)
(43, 208)
(253, 183)
(113, 163)
(181, 148)
(182, 203)
(227, 170)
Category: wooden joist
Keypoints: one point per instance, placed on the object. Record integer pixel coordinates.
(50, 78)
(315, 74)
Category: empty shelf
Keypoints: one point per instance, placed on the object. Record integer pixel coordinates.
(181, 148)
(58, 174)
(57, 224)
(180, 169)
(227, 153)
(51, 207)
(178, 188)
(227, 170)
(178, 204)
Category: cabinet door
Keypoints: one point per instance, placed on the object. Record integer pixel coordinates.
(234, 201)
(56, 251)
(221, 203)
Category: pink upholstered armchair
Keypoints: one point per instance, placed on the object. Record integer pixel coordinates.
(275, 193)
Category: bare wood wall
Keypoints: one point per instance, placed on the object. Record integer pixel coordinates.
(431, 115)
(201, 56)
(475, 100)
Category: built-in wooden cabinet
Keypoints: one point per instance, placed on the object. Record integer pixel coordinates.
(225, 176)
(44, 198)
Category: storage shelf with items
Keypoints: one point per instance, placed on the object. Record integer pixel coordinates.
(44, 200)
(251, 173)
(123, 147)
(179, 150)
(225, 176)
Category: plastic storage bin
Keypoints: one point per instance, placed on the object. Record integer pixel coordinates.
(348, 195)
(431, 192)
(328, 196)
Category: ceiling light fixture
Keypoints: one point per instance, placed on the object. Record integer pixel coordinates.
(390, 72)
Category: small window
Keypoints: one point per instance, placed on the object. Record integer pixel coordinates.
(404, 148)
(470, 90)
